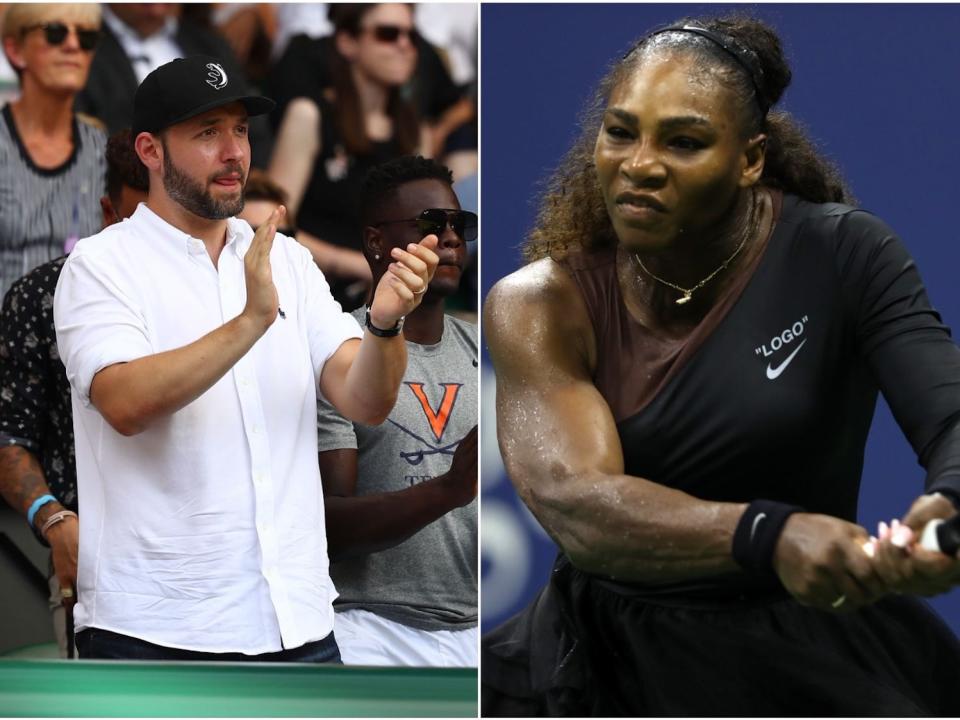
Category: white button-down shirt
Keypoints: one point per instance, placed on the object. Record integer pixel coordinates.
(205, 531)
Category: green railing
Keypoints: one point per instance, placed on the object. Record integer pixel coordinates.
(58, 688)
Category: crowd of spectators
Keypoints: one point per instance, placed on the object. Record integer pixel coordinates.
(355, 85)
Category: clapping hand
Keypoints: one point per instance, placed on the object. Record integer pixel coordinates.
(262, 299)
(460, 481)
(402, 287)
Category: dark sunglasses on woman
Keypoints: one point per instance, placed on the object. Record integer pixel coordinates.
(392, 33)
(433, 221)
(56, 32)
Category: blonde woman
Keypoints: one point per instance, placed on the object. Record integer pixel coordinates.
(51, 160)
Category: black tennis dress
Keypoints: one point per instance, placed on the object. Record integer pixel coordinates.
(775, 402)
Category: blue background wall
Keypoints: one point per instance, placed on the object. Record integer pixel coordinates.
(877, 85)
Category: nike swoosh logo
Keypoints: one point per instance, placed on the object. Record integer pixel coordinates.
(756, 521)
(774, 372)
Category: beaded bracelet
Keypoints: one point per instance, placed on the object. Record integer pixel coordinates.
(54, 519)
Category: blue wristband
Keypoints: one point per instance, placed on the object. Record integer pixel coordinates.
(37, 504)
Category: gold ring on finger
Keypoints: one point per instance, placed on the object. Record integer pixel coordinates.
(421, 291)
(66, 593)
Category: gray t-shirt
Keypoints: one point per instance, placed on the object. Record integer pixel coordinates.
(429, 581)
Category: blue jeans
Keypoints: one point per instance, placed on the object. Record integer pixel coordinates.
(96, 644)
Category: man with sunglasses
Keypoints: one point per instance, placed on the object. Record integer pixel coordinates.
(194, 348)
(401, 498)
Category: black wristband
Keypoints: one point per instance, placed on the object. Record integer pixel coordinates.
(757, 533)
(379, 332)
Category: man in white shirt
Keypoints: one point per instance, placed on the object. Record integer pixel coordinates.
(194, 348)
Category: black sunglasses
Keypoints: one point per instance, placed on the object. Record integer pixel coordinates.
(56, 32)
(392, 33)
(434, 220)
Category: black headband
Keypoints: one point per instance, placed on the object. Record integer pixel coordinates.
(746, 58)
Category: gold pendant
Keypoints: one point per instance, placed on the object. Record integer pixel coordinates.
(685, 299)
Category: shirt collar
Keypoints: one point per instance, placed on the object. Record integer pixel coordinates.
(239, 233)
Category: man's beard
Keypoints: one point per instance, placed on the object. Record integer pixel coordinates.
(192, 196)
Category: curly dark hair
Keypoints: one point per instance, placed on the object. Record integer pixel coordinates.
(571, 208)
(123, 165)
(382, 181)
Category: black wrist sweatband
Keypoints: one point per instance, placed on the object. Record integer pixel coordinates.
(757, 533)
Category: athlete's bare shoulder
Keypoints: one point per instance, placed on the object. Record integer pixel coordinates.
(542, 284)
(537, 311)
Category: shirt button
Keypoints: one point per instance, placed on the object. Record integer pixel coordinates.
(255, 429)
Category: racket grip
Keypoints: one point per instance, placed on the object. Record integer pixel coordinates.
(942, 536)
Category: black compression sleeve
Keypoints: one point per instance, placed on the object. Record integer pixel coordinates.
(909, 350)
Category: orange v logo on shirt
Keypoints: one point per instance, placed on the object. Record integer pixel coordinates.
(438, 419)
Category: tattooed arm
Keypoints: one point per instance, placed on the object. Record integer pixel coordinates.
(33, 389)
(22, 482)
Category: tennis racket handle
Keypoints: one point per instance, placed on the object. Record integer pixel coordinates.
(942, 535)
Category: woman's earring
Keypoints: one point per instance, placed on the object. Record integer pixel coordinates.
(376, 256)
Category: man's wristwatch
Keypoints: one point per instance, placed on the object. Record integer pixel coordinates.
(390, 332)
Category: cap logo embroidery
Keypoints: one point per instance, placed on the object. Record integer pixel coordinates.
(217, 77)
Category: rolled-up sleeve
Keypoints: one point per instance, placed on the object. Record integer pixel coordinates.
(97, 323)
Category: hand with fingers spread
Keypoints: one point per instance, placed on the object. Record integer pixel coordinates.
(403, 286)
(821, 562)
(901, 562)
(262, 299)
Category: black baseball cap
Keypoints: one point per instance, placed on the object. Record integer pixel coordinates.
(186, 87)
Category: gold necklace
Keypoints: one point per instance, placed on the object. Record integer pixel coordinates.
(688, 292)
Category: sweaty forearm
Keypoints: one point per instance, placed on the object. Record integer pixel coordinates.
(132, 395)
(632, 529)
(360, 525)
